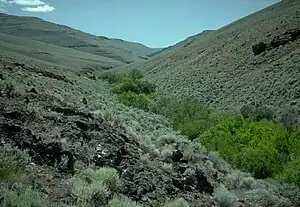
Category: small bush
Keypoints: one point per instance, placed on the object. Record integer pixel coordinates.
(133, 85)
(290, 117)
(111, 77)
(109, 177)
(6, 88)
(131, 99)
(21, 195)
(15, 189)
(85, 192)
(136, 74)
(179, 202)
(93, 186)
(122, 202)
(224, 197)
(13, 163)
(131, 90)
(264, 198)
(257, 113)
(290, 172)
(189, 116)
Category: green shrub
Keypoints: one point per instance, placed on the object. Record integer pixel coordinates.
(122, 202)
(193, 127)
(21, 195)
(14, 186)
(179, 202)
(262, 148)
(263, 197)
(257, 113)
(290, 172)
(111, 77)
(6, 88)
(133, 85)
(290, 117)
(93, 186)
(189, 116)
(130, 89)
(131, 99)
(84, 192)
(224, 197)
(109, 177)
(136, 74)
(13, 163)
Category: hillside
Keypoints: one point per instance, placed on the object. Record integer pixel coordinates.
(40, 30)
(72, 139)
(221, 70)
(181, 44)
(54, 55)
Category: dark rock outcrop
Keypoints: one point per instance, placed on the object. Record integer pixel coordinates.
(288, 36)
(259, 48)
(279, 40)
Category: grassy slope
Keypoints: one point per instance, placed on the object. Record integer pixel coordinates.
(38, 29)
(53, 54)
(221, 70)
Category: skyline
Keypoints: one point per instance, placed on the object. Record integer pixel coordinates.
(153, 23)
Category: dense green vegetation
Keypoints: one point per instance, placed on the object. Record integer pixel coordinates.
(253, 141)
(263, 148)
(131, 90)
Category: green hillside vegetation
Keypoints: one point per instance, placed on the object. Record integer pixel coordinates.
(253, 141)
(130, 89)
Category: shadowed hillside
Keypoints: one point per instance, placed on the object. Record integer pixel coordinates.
(38, 29)
(221, 69)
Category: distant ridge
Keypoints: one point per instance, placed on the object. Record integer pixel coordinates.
(183, 43)
(38, 29)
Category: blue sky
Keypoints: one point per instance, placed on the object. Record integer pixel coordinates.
(155, 23)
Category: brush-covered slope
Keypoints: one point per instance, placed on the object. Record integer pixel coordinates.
(54, 55)
(65, 140)
(38, 29)
(221, 70)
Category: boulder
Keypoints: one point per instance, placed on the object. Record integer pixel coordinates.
(259, 48)
(84, 101)
(176, 156)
